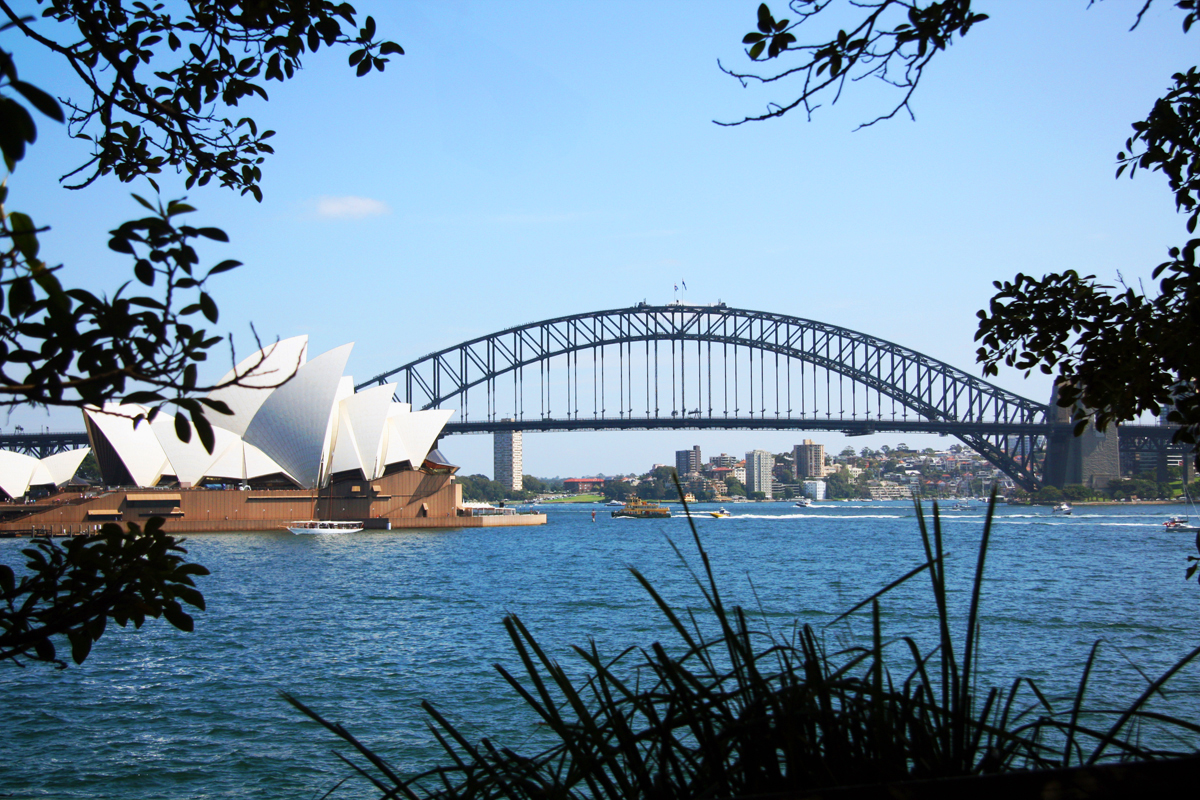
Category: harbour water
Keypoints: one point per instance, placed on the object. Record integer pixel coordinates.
(362, 627)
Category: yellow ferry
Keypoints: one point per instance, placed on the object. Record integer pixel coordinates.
(640, 509)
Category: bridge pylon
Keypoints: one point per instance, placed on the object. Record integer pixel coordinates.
(1092, 459)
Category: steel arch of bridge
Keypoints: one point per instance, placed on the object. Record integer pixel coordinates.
(1008, 430)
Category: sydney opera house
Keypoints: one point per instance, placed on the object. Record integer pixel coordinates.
(300, 444)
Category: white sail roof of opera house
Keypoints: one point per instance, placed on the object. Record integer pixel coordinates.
(266, 369)
(294, 424)
(293, 417)
(18, 471)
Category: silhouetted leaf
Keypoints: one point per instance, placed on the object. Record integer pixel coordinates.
(208, 307)
(174, 614)
(44, 649)
(40, 100)
(183, 431)
(143, 270)
(765, 22)
(224, 266)
(24, 234)
(203, 429)
(81, 645)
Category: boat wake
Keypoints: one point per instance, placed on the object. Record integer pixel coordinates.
(818, 515)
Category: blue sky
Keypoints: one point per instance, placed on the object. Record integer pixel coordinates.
(526, 160)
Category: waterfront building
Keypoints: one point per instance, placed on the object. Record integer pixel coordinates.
(759, 466)
(507, 459)
(295, 434)
(889, 490)
(809, 459)
(299, 444)
(814, 489)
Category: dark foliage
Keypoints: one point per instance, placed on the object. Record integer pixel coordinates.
(158, 83)
(156, 86)
(534, 485)
(892, 40)
(480, 488)
(72, 590)
(70, 347)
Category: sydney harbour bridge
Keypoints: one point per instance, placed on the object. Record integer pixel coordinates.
(685, 366)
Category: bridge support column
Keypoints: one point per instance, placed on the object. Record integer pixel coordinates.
(508, 458)
(1092, 459)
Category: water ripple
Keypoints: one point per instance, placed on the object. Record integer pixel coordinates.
(364, 626)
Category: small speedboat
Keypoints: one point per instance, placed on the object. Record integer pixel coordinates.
(615, 504)
(720, 512)
(803, 502)
(324, 526)
(1063, 509)
(1179, 523)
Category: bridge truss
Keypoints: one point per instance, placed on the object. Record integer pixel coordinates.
(689, 366)
(44, 443)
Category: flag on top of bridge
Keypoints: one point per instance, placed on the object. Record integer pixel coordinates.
(684, 285)
(677, 287)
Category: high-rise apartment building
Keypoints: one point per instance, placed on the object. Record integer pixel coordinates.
(723, 460)
(506, 459)
(687, 461)
(759, 466)
(810, 460)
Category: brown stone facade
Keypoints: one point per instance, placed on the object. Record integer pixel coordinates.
(405, 499)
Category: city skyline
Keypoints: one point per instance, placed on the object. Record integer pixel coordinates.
(710, 461)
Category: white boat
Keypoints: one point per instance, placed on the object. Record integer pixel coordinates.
(1064, 509)
(324, 526)
(803, 502)
(1180, 522)
(720, 512)
(615, 503)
